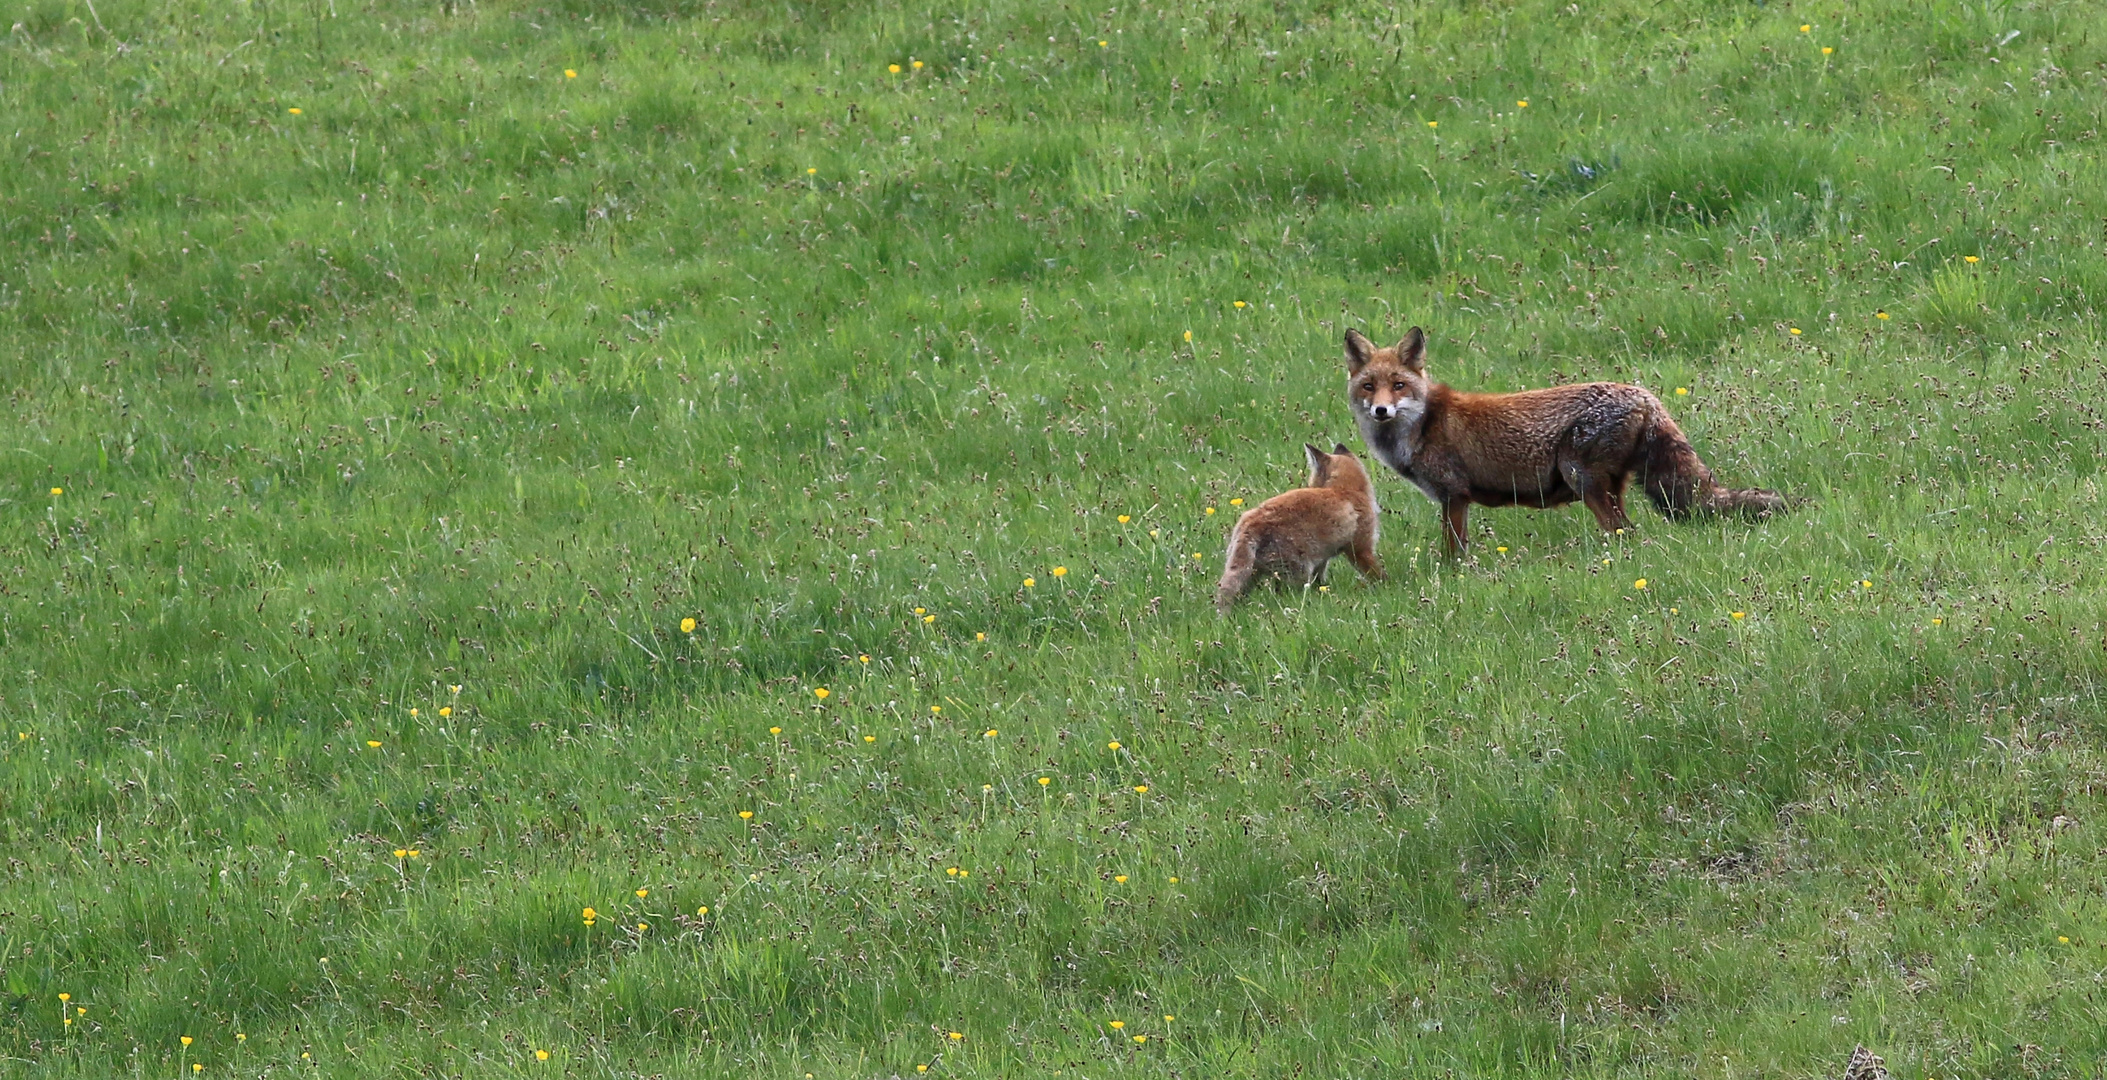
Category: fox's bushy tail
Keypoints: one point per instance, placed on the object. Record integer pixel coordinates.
(1680, 484)
(1239, 563)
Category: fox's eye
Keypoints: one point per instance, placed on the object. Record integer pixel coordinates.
(1399, 387)
(1368, 388)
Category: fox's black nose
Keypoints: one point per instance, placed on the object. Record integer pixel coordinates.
(1380, 412)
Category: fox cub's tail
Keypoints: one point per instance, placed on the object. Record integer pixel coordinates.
(1680, 484)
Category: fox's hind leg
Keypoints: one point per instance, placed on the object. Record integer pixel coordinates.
(1600, 491)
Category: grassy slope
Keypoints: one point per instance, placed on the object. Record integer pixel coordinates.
(470, 373)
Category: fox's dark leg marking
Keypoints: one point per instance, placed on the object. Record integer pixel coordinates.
(1455, 518)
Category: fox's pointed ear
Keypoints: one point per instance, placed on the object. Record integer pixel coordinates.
(1412, 352)
(1320, 463)
(1359, 350)
(1339, 448)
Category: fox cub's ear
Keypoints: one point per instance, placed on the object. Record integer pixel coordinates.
(1359, 350)
(1340, 448)
(1412, 352)
(1320, 464)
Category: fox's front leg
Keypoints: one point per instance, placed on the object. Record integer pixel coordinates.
(1455, 518)
(1363, 555)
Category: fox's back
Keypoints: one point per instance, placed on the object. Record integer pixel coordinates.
(1526, 431)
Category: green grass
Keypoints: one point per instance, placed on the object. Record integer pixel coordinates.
(474, 374)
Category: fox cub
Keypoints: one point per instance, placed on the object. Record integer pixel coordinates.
(1542, 448)
(1294, 536)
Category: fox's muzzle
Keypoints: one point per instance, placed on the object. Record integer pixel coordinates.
(1382, 412)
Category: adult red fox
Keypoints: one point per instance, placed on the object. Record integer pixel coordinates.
(1539, 448)
(1295, 535)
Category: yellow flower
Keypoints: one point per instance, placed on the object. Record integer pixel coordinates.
(1123, 519)
(238, 1036)
(1795, 331)
(373, 744)
(1605, 562)
(197, 1067)
(1188, 337)
(703, 910)
(1826, 50)
(541, 1055)
(1866, 584)
(65, 997)
(1120, 878)
(2061, 940)
(1117, 1024)
(921, 611)
(820, 692)
(1239, 303)
(687, 626)
(455, 688)
(642, 893)
(964, 874)
(1881, 315)
(936, 710)
(1210, 511)
(870, 738)
(1971, 258)
(775, 731)
(809, 172)
(1502, 550)
(414, 853)
(295, 110)
(894, 68)
(1060, 571)
(980, 637)
(955, 1035)
(569, 74)
(413, 712)
(186, 1040)
(951, 870)
(1805, 27)
(1168, 1018)
(1936, 621)
(746, 815)
(1639, 584)
(1738, 614)
(1045, 780)
(643, 926)
(1174, 881)
(985, 788)
(1104, 44)
(1236, 502)
(1433, 123)
(590, 914)
(917, 65)
(1031, 583)
(988, 734)
(402, 853)
(1113, 745)
(446, 710)
(1682, 391)
(1139, 1039)
(1141, 789)
(921, 1068)
(1522, 104)
(928, 618)
(58, 491)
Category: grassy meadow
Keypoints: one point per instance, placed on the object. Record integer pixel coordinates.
(387, 385)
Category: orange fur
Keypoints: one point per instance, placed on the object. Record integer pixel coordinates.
(1542, 448)
(1295, 535)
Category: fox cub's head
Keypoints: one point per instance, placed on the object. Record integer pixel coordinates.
(1338, 469)
(1387, 384)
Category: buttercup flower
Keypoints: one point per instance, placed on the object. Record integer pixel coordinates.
(1123, 519)
(893, 68)
(569, 74)
(687, 626)
(541, 1055)
(820, 692)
